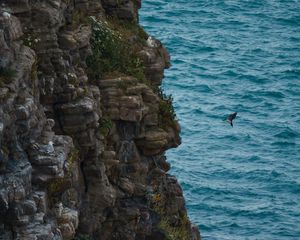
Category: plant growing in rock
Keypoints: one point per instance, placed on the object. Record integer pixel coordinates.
(72, 78)
(34, 71)
(172, 232)
(72, 157)
(57, 185)
(166, 114)
(111, 53)
(30, 41)
(105, 126)
(129, 30)
(54, 188)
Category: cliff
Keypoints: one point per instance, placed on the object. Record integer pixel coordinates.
(84, 125)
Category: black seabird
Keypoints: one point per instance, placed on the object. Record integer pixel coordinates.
(231, 117)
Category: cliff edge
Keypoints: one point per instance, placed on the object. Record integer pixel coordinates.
(84, 125)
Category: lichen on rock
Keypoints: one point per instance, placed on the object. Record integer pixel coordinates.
(83, 125)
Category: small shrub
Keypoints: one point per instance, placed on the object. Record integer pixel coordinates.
(6, 75)
(166, 114)
(54, 189)
(128, 29)
(105, 126)
(55, 185)
(112, 53)
(156, 199)
(174, 232)
(181, 230)
(34, 71)
(72, 79)
(30, 40)
(122, 85)
(72, 157)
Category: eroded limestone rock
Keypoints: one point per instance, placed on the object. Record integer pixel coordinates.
(79, 156)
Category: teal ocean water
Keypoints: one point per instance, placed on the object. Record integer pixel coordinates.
(235, 55)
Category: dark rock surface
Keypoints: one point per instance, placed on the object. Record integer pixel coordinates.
(82, 158)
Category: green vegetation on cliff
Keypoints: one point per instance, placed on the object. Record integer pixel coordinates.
(112, 55)
(172, 231)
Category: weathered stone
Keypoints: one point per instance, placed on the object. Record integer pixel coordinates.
(84, 105)
(49, 160)
(102, 185)
(68, 223)
(151, 119)
(127, 186)
(108, 83)
(130, 102)
(3, 93)
(67, 41)
(29, 207)
(3, 203)
(109, 154)
(111, 162)
(132, 115)
(12, 24)
(137, 90)
(82, 36)
(153, 142)
(127, 11)
(40, 201)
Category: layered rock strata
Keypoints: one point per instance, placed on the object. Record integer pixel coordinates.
(82, 158)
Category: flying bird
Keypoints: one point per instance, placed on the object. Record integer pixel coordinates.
(231, 117)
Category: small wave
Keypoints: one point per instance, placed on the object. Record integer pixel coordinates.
(230, 138)
(287, 133)
(230, 73)
(257, 50)
(201, 49)
(292, 72)
(254, 79)
(273, 94)
(286, 186)
(252, 97)
(289, 21)
(202, 88)
(259, 175)
(215, 191)
(261, 214)
(283, 144)
(254, 158)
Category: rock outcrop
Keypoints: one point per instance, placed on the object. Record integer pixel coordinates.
(84, 125)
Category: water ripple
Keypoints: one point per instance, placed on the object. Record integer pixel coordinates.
(241, 182)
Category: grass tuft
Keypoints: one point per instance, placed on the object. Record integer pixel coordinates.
(105, 126)
(172, 232)
(112, 53)
(166, 114)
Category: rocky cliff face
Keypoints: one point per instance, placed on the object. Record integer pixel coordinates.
(84, 125)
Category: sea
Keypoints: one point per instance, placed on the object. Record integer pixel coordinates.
(240, 182)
